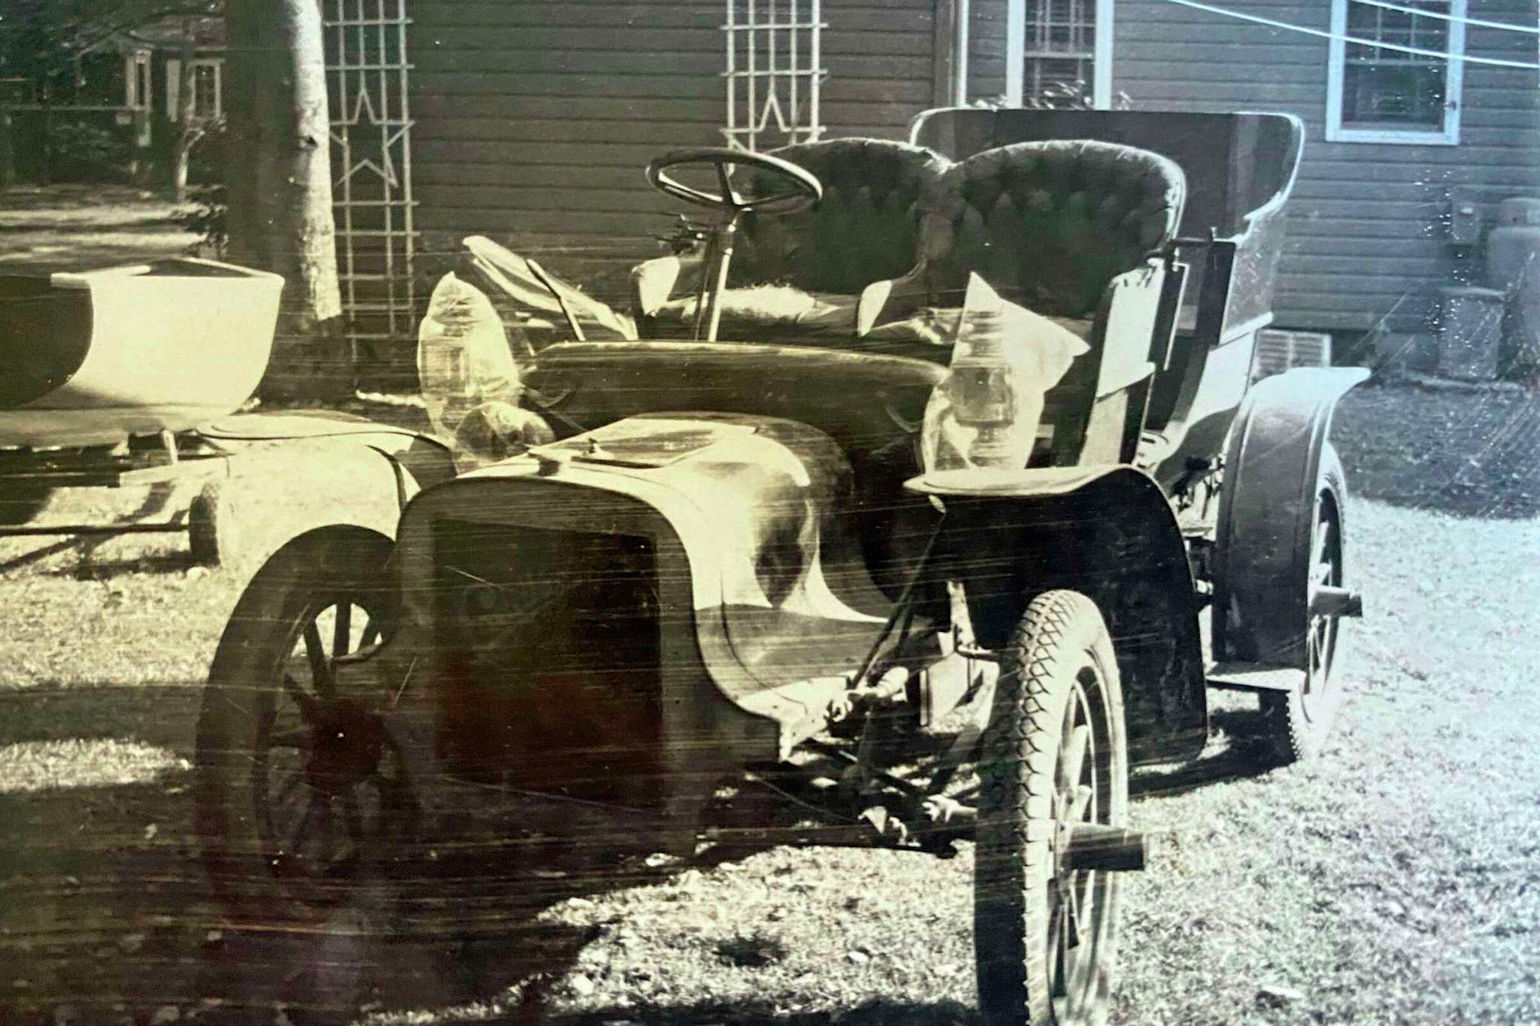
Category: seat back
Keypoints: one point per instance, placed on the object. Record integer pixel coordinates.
(1050, 224)
(866, 227)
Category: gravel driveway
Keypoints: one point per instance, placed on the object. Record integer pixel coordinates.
(1394, 880)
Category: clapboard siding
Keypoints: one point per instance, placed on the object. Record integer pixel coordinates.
(986, 49)
(1365, 236)
(535, 118)
(1365, 224)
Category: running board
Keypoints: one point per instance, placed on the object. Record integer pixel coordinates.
(1255, 677)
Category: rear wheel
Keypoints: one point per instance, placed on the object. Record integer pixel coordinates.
(1054, 765)
(1297, 722)
(301, 794)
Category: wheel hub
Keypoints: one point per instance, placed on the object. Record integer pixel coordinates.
(347, 744)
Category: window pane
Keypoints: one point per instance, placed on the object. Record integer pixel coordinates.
(204, 97)
(1393, 88)
(1061, 51)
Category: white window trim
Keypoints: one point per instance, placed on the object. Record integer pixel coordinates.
(132, 62)
(1016, 43)
(173, 89)
(1449, 135)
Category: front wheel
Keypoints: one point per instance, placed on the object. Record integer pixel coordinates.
(1054, 773)
(300, 790)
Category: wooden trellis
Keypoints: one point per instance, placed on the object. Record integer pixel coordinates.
(774, 72)
(371, 125)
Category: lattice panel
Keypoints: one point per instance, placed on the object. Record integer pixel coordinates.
(371, 130)
(774, 72)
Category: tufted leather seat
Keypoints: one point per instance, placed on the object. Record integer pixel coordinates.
(1050, 224)
(865, 229)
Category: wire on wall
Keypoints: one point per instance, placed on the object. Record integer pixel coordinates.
(1287, 26)
(1506, 26)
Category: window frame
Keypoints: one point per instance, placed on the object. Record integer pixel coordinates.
(1101, 54)
(138, 80)
(1454, 82)
(217, 77)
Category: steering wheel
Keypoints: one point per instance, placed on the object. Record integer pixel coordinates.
(803, 187)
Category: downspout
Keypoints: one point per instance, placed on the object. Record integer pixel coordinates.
(961, 14)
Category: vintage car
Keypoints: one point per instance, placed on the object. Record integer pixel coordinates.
(718, 560)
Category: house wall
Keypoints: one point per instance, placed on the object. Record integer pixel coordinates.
(535, 119)
(986, 50)
(1366, 241)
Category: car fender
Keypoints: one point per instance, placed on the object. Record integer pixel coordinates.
(1108, 532)
(428, 460)
(290, 472)
(1271, 462)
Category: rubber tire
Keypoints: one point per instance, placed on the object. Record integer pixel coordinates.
(211, 535)
(1060, 635)
(1291, 730)
(331, 561)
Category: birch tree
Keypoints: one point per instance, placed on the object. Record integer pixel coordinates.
(278, 186)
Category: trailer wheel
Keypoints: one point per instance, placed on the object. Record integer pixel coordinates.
(211, 537)
(1296, 723)
(301, 794)
(19, 504)
(1054, 768)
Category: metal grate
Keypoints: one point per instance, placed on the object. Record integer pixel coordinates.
(371, 125)
(774, 72)
(1278, 351)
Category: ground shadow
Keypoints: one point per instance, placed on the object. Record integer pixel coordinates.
(1241, 754)
(155, 507)
(105, 909)
(1466, 453)
(161, 715)
(870, 1013)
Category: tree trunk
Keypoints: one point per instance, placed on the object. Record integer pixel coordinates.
(279, 186)
(186, 134)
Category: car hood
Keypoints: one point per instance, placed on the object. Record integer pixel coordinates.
(759, 496)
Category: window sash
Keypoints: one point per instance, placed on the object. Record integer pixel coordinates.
(1062, 46)
(1380, 95)
(207, 87)
(205, 97)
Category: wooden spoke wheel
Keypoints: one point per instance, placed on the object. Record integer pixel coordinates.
(1050, 833)
(1297, 722)
(302, 794)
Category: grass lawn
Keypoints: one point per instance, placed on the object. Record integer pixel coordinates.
(1390, 881)
(78, 227)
